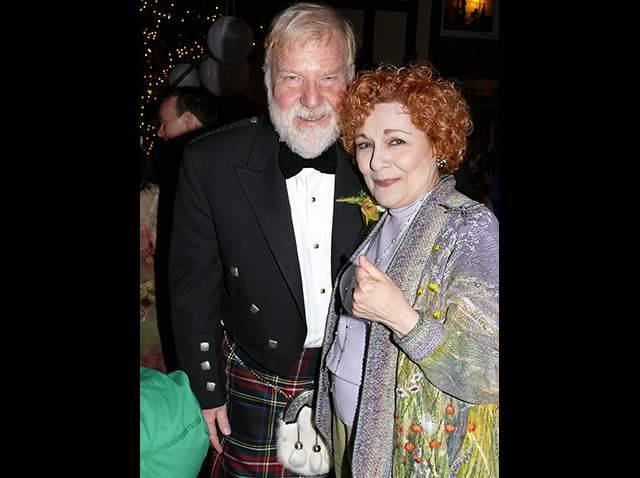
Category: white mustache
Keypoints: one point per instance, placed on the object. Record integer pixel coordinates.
(310, 114)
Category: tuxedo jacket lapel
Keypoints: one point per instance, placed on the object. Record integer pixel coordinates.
(266, 191)
(347, 219)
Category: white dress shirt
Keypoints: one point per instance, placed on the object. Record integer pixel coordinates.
(311, 200)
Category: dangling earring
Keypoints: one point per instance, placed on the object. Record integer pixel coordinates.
(440, 161)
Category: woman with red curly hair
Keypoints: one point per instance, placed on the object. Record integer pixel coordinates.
(409, 383)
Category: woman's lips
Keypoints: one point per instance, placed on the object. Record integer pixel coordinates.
(383, 183)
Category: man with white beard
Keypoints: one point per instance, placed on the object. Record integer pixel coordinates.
(258, 240)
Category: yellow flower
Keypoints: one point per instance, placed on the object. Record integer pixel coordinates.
(368, 208)
(436, 248)
(420, 290)
(436, 314)
(434, 287)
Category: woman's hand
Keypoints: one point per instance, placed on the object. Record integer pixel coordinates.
(377, 298)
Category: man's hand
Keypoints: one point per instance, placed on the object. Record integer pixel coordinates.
(216, 418)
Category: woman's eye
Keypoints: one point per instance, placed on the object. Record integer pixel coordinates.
(396, 142)
(361, 146)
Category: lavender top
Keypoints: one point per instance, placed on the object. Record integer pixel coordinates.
(346, 355)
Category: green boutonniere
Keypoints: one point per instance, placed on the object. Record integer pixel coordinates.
(368, 207)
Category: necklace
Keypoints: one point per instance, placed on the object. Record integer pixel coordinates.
(400, 235)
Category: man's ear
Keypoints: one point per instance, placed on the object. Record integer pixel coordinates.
(191, 121)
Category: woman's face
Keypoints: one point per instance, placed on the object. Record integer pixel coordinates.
(395, 158)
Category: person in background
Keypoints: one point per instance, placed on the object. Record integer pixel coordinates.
(185, 113)
(185, 109)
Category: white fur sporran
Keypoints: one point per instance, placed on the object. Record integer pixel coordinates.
(301, 448)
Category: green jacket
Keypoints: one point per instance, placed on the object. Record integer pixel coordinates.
(174, 438)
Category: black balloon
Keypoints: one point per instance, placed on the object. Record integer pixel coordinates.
(230, 39)
(224, 79)
(190, 79)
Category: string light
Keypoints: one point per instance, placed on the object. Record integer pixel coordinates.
(163, 49)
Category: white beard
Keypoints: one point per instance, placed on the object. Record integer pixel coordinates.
(307, 142)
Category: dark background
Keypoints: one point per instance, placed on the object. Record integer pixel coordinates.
(394, 31)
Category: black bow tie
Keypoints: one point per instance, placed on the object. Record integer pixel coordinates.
(291, 164)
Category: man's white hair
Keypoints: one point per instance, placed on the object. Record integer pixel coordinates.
(304, 22)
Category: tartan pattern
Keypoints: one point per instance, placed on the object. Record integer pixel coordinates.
(253, 407)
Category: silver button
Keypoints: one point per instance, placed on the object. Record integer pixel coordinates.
(204, 346)
(205, 365)
(315, 246)
(253, 308)
(253, 120)
(211, 386)
(234, 271)
(273, 343)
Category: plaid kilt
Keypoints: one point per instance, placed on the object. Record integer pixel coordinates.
(252, 409)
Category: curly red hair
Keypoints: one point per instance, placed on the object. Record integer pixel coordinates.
(434, 104)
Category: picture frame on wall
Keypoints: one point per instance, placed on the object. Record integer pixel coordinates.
(470, 18)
